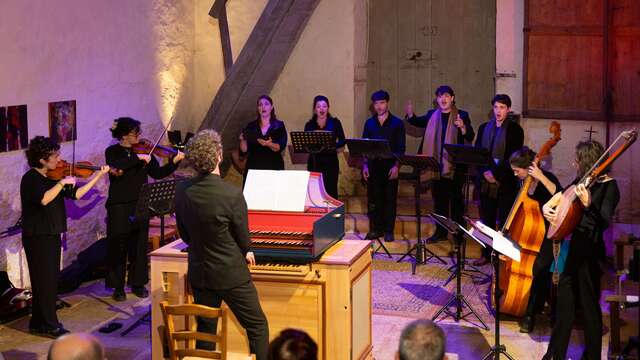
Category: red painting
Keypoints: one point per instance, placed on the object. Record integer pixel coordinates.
(62, 121)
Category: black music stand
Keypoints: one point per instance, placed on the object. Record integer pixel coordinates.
(156, 199)
(467, 155)
(313, 143)
(458, 233)
(497, 348)
(371, 149)
(422, 254)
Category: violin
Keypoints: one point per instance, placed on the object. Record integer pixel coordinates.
(145, 146)
(81, 169)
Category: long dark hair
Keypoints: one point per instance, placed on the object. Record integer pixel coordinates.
(587, 153)
(316, 100)
(522, 158)
(273, 109)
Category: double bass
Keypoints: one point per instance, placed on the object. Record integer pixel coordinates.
(525, 225)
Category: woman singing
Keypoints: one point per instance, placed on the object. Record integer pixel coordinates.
(263, 140)
(583, 253)
(327, 164)
(44, 218)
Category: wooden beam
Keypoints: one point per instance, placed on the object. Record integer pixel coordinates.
(219, 11)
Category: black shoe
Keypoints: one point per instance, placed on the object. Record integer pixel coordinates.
(119, 295)
(526, 324)
(140, 291)
(388, 237)
(52, 333)
(372, 235)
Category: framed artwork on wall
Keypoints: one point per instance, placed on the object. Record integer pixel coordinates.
(62, 121)
(14, 133)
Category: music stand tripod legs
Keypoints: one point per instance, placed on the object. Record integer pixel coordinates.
(458, 298)
(497, 348)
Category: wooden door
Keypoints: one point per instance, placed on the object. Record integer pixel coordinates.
(417, 45)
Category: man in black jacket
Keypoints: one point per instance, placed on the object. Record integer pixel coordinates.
(498, 185)
(212, 219)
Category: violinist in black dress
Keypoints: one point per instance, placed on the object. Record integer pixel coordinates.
(44, 218)
(128, 237)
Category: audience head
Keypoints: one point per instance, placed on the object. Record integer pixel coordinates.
(76, 346)
(204, 151)
(422, 340)
(293, 344)
(43, 152)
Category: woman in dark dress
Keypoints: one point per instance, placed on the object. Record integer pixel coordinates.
(327, 164)
(44, 218)
(127, 239)
(544, 186)
(263, 140)
(581, 257)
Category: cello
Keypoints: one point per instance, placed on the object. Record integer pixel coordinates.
(525, 225)
(569, 209)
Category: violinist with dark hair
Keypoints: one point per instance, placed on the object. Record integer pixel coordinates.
(127, 239)
(44, 218)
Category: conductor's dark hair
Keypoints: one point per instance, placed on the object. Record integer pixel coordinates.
(123, 126)
(422, 340)
(273, 109)
(293, 344)
(587, 153)
(40, 147)
(204, 150)
(522, 158)
(502, 99)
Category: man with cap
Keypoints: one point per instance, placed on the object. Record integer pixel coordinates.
(445, 124)
(382, 174)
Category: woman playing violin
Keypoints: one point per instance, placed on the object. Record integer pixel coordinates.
(581, 255)
(44, 218)
(127, 239)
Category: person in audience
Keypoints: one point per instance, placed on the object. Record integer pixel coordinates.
(264, 139)
(422, 340)
(292, 344)
(217, 233)
(326, 163)
(76, 346)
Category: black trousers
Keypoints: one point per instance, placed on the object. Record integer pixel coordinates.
(542, 277)
(43, 259)
(245, 305)
(127, 243)
(495, 207)
(330, 168)
(582, 285)
(382, 196)
(448, 198)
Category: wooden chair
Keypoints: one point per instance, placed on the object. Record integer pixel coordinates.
(190, 335)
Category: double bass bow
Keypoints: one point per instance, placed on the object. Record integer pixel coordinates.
(525, 225)
(569, 209)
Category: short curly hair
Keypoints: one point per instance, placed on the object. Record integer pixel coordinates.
(123, 126)
(203, 151)
(40, 147)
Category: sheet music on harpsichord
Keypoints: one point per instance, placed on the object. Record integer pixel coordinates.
(276, 190)
(286, 190)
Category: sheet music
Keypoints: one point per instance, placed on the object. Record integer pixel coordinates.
(497, 240)
(276, 190)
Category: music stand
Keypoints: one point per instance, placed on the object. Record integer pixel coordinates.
(495, 240)
(467, 155)
(313, 143)
(156, 199)
(458, 298)
(419, 163)
(371, 149)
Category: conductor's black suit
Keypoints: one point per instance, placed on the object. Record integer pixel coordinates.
(212, 219)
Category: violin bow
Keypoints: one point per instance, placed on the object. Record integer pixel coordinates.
(162, 134)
